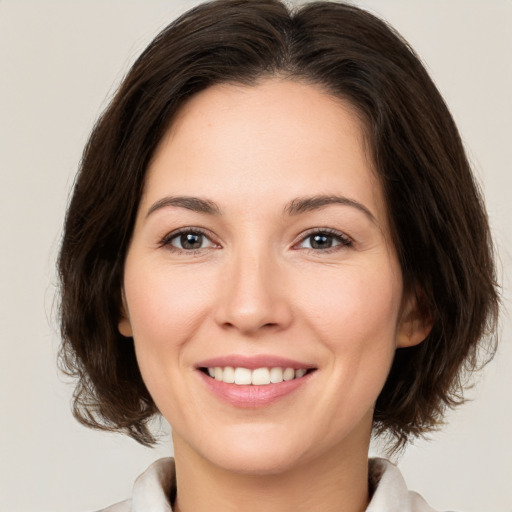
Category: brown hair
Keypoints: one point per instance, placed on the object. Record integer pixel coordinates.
(438, 219)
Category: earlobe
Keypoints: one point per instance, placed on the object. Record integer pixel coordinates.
(124, 326)
(415, 323)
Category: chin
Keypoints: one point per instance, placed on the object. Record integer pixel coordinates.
(252, 452)
(256, 461)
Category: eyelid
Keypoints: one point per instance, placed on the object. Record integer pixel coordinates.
(165, 241)
(345, 240)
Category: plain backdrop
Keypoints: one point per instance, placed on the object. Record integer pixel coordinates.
(59, 64)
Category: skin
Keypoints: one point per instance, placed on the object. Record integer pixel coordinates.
(256, 285)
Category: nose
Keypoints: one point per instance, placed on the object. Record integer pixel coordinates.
(253, 298)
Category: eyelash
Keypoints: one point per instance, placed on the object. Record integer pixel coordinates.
(343, 240)
(170, 237)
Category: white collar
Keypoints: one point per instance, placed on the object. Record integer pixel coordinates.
(390, 491)
(153, 488)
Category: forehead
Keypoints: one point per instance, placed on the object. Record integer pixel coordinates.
(268, 143)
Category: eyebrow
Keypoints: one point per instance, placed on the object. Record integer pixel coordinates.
(295, 207)
(307, 204)
(195, 204)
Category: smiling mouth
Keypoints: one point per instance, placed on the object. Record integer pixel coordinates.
(256, 377)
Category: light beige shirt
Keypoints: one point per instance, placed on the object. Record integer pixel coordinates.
(153, 488)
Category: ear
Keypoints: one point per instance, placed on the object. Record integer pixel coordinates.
(415, 321)
(124, 326)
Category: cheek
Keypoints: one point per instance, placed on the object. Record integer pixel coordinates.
(164, 304)
(354, 304)
(356, 320)
(166, 310)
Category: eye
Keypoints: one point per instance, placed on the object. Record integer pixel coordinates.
(323, 240)
(188, 240)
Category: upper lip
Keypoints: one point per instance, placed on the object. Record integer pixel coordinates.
(254, 361)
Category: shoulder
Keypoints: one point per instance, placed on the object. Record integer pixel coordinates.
(123, 506)
(152, 491)
(389, 491)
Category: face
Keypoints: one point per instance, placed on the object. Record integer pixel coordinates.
(261, 287)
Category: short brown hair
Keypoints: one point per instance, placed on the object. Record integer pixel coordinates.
(438, 220)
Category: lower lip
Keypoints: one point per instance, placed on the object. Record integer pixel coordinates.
(249, 396)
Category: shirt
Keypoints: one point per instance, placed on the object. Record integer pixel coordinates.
(153, 488)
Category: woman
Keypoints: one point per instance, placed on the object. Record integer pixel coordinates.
(276, 242)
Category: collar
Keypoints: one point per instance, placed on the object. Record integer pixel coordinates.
(153, 488)
(390, 492)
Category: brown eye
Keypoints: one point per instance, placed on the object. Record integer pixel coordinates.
(323, 240)
(190, 241)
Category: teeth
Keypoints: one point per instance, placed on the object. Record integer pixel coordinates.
(228, 375)
(289, 374)
(256, 377)
(260, 376)
(242, 376)
(276, 375)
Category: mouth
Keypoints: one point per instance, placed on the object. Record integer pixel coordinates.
(254, 381)
(263, 376)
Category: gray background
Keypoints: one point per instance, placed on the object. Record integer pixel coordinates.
(59, 64)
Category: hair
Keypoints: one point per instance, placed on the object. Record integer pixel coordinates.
(438, 220)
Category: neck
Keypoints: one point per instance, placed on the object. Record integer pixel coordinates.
(337, 482)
